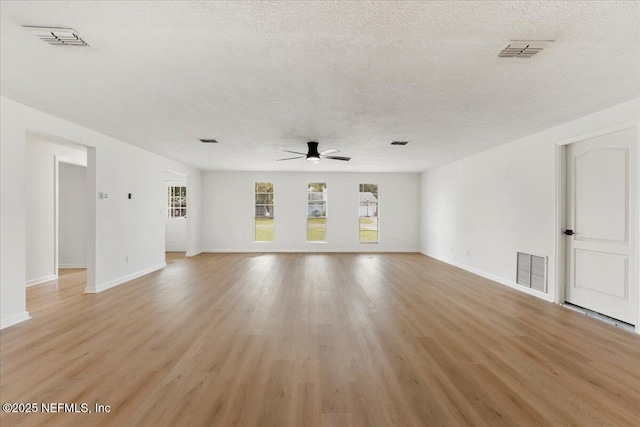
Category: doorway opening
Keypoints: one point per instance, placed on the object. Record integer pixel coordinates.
(58, 218)
(176, 213)
(71, 215)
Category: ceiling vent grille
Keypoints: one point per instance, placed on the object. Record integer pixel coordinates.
(523, 48)
(208, 141)
(399, 142)
(58, 36)
(532, 271)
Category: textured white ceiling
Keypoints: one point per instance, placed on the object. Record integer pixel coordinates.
(261, 77)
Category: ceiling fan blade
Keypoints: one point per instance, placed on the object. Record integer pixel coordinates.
(295, 152)
(346, 159)
(329, 151)
(291, 158)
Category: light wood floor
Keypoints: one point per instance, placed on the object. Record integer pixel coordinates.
(316, 339)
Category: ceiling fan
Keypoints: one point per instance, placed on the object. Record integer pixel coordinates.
(314, 156)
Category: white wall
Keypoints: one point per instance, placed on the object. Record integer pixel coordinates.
(12, 221)
(479, 211)
(123, 227)
(228, 211)
(72, 216)
(40, 205)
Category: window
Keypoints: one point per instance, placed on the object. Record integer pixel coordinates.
(317, 212)
(264, 213)
(368, 197)
(176, 202)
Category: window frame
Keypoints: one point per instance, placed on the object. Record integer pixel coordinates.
(172, 198)
(325, 204)
(255, 206)
(376, 214)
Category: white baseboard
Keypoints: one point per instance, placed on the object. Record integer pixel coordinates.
(193, 253)
(113, 283)
(42, 279)
(496, 279)
(72, 265)
(313, 248)
(15, 319)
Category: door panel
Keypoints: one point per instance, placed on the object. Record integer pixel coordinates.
(601, 203)
(602, 272)
(602, 254)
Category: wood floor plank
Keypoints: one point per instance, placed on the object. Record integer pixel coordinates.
(314, 340)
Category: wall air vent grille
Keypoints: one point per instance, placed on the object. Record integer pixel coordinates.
(209, 141)
(523, 48)
(531, 271)
(399, 142)
(58, 36)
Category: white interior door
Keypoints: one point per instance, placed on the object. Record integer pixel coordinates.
(176, 234)
(175, 222)
(602, 209)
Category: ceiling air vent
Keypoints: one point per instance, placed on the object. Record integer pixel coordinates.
(523, 48)
(399, 142)
(58, 36)
(209, 141)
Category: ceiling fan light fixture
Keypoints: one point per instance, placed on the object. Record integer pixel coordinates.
(313, 154)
